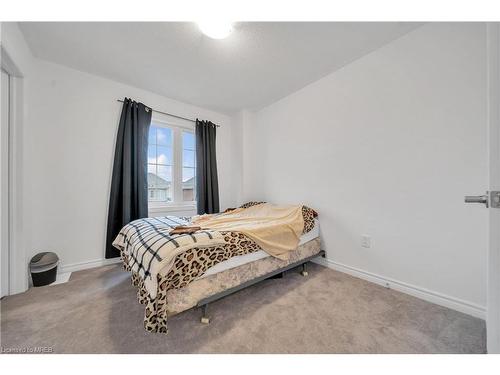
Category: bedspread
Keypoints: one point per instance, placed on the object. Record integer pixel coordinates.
(150, 248)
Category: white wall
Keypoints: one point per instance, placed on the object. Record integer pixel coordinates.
(244, 143)
(70, 134)
(388, 146)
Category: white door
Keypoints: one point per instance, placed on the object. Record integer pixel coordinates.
(4, 182)
(493, 313)
(491, 199)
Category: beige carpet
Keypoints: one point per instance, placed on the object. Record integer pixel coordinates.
(326, 312)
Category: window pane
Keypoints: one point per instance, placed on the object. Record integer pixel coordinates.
(187, 174)
(188, 184)
(164, 137)
(151, 178)
(163, 184)
(158, 188)
(152, 135)
(159, 183)
(188, 158)
(187, 141)
(188, 164)
(152, 154)
(165, 173)
(164, 155)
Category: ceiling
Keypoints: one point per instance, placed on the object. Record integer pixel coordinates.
(259, 63)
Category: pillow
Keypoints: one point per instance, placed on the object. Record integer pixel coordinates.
(250, 204)
(308, 214)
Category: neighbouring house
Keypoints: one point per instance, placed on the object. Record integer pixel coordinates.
(188, 190)
(159, 189)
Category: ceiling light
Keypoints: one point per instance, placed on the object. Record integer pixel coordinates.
(216, 29)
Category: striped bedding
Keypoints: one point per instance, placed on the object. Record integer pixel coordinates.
(149, 247)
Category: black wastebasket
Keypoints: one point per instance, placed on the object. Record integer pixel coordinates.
(43, 267)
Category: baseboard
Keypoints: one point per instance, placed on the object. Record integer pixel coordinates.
(415, 291)
(87, 264)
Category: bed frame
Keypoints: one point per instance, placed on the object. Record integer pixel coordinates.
(203, 304)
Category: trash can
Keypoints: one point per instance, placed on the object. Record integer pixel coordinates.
(43, 267)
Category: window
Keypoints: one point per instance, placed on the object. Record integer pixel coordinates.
(171, 165)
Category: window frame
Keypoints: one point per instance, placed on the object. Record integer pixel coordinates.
(177, 204)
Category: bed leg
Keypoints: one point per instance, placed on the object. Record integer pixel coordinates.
(204, 318)
(304, 270)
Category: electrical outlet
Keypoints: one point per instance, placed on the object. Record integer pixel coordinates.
(366, 241)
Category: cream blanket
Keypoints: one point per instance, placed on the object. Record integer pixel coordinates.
(276, 229)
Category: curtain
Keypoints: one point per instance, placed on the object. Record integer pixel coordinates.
(128, 199)
(207, 185)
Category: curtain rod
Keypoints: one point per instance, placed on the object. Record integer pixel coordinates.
(169, 114)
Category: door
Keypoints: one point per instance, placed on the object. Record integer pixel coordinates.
(493, 305)
(491, 199)
(4, 183)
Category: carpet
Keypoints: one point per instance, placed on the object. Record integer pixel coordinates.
(96, 311)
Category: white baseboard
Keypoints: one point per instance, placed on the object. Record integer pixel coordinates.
(87, 264)
(415, 291)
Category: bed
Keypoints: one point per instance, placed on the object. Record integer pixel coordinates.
(206, 265)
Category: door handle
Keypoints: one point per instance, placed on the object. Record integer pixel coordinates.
(477, 199)
(491, 198)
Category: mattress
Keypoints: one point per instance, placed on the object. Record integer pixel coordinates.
(261, 254)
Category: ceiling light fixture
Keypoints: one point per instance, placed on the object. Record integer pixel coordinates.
(216, 29)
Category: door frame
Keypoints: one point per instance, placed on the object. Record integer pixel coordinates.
(5, 178)
(18, 268)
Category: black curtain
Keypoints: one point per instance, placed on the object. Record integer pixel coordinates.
(207, 184)
(128, 199)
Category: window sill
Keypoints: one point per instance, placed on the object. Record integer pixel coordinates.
(172, 208)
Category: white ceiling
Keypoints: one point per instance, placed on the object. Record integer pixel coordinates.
(256, 65)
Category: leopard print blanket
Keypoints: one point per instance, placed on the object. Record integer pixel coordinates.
(190, 265)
